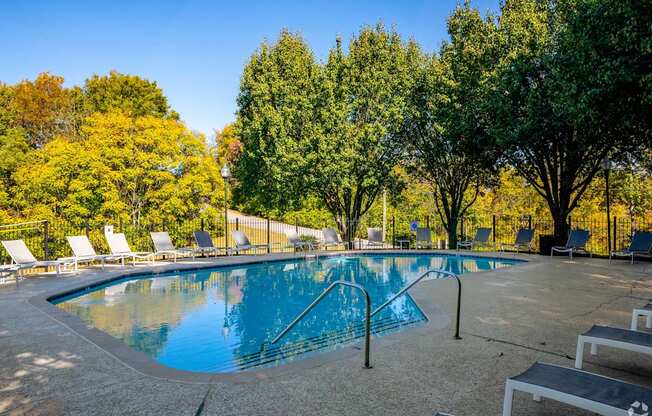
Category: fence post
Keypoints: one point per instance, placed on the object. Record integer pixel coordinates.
(427, 221)
(87, 228)
(201, 224)
(462, 228)
(296, 226)
(120, 224)
(614, 236)
(529, 222)
(393, 232)
(269, 248)
(493, 228)
(46, 238)
(237, 223)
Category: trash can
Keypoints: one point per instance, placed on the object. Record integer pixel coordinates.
(545, 244)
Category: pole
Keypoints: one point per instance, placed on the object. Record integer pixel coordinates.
(393, 232)
(384, 213)
(226, 217)
(606, 177)
(268, 246)
(615, 245)
(46, 239)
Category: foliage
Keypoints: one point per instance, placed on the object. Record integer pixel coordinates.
(131, 94)
(567, 67)
(333, 131)
(145, 170)
(227, 146)
(447, 129)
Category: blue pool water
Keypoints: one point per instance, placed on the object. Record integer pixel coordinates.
(223, 319)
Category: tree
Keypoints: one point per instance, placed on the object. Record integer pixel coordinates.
(143, 170)
(333, 132)
(42, 108)
(571, 90)
(447, 131)
(227, 145)
(131, 94)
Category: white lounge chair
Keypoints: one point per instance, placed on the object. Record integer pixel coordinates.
(424, 237)
(524, 238)
(242, 243)
(23, 259)
(625, 339)
(83, 252)
(120, 247)
(577, 240)
(331, 238)
(641, 245)
(584, 390)
(481, 239)
(295, 242)
(163, 246)
(375, 238)
(205, 244)
(646, 311)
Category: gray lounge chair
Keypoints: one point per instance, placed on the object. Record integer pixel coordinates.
(524, 239)
(23, 259)
(481, 238)
(83, 252)
(331, 238)
(625, 339)
(242, 243)
(163, 246)
(584, 390)
(577, 240)
(641, 245)
(120, 247)
(646, 311)
(424, 237)
(295, 242)
(375, 238)
(205, 243)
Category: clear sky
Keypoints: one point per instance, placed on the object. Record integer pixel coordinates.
(194, 50)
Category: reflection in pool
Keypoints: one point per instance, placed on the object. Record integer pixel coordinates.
(223, 319)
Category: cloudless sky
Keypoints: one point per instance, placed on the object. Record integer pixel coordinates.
(194, 50)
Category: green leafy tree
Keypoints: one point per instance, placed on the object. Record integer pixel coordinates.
(572, 89)
(131, 94)
(448, 133)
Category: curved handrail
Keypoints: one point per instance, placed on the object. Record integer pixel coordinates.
(314, 303)
(407, 287)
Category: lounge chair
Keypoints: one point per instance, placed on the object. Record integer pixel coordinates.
(375, 238)
(163, 246)
(641, 245)
(120, 247)
(524, 238)
(6, 270)
(331, 238)
(625, 339)
(424, 237)
(645, 311)
(481, 238)
(242, 243)
(23, 259)
(83, 252)
(205, 243)
(295, 242)
(577, 240)
(584, 390)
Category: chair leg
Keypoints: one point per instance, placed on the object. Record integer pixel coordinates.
(634, 325)
(579, 353)
(508, 400)
(648, 321)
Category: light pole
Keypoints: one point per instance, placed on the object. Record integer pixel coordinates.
(606, 165)
(226, 174)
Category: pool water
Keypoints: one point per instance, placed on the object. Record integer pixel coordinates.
(223, 319)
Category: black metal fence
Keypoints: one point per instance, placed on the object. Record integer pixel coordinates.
(47, 239)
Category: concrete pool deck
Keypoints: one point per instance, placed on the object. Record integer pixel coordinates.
(510, 318)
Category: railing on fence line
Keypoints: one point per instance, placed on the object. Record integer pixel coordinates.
(47, 239)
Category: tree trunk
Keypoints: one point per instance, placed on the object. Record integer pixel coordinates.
(451, 229)
(561, 228)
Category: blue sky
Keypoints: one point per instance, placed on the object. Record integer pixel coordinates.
(195, 50)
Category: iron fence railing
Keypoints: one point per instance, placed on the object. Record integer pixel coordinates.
(47, 239)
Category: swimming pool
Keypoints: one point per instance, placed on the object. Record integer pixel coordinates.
(221, 320)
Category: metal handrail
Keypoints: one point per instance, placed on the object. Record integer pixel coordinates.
(314, 303)
(406, 288)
